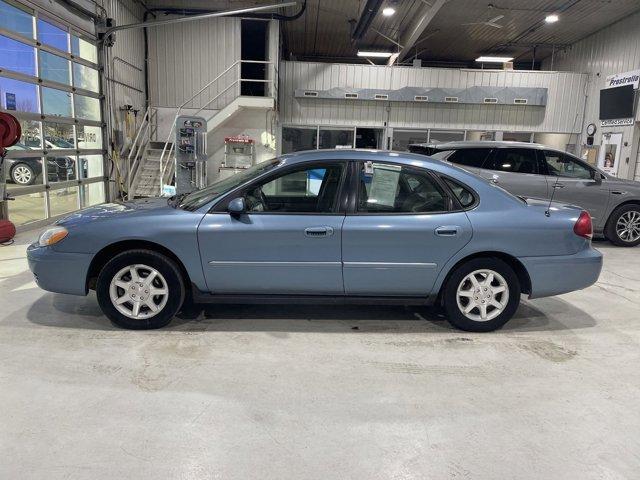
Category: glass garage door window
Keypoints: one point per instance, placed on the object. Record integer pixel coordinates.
(49, 80)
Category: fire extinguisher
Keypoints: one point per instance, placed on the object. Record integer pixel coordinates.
(10, 133)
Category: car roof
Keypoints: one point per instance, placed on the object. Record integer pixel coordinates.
(407, 158)
(481, 144)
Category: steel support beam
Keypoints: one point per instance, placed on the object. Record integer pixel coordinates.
(410, 36)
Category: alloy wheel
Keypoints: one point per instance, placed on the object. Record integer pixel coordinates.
(482, 295)
(628, 226)
(139, 291)
(22, 174)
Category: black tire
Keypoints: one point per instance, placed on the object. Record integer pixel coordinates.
(19, 179)
(456, 316)
(165, 266)
(611, 231)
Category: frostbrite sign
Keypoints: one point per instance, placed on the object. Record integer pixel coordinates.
(626, 78)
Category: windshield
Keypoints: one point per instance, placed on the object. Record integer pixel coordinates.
(196, 199)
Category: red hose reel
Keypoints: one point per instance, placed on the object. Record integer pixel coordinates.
(10, 131)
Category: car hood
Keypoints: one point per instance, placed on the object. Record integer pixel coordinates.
(146, 207)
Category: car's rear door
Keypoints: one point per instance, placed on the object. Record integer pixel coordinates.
(517, 170)
(400, 231)
(287, 242)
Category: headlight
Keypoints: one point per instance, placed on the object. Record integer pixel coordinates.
(52, 235)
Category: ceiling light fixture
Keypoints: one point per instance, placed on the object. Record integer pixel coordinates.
(489, 59)
(364, 53)
(551, 18)
(387, 12)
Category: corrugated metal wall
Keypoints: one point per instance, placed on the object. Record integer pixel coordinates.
(615, 49)
(563, 113)
(184, 57)
(128, 55)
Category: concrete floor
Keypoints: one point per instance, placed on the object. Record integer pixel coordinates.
(321, 392)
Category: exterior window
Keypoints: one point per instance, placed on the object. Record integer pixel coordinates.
(89, 137)
(336, 138)
(469, 157)
(83, 49)
(16, 20)
(85, 77)
(18, 96)
(53, 36)
(515, 160)
(310, 190)
(30, 134)
(56, 102)
(402, 139)
(17, 56)
(63, 200)
(58, 135)
(90, 166)
(92, 194)
(396, 189)
(562, 165)
(463, 194)
(27, 208)
(298, 139)
(54, 68)
(445, 136)
(87, 108)
(61, 168)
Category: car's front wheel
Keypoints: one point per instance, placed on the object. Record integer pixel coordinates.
(623, 228)
(481, 295)
(23, 174)
(140, 289)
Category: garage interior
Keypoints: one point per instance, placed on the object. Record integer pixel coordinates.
(308, 391)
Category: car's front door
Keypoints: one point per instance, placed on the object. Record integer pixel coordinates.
(287, 242)
(517, 170)
(400, 232)
(576, 183)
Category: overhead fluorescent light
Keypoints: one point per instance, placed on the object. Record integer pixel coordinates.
(387, 12)
(489, 59)
(551, 18)
(364, 53)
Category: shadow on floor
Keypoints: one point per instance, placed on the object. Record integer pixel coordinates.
(549, 314)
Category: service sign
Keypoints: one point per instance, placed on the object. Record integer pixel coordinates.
(622, 79)
(617, 122)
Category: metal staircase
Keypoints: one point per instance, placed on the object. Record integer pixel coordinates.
(151, 162)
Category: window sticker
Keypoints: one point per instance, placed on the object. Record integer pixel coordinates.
(384, 185)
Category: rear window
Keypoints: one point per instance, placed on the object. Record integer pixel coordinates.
(469, 157)
(462, 193)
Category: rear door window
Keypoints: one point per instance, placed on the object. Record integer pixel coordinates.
(469, 157)
(514, 160)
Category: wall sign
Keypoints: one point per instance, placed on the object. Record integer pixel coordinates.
(626, 78)
(10, 100)
(617, 122)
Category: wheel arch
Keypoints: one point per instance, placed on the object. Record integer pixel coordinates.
(108, 252)
(633, 201)
(513, 262)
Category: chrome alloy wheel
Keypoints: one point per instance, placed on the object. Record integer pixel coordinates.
(482, 295)
(628, 226)
(139, 291)
(21, 174)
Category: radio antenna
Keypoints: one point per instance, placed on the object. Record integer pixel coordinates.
(555, 185)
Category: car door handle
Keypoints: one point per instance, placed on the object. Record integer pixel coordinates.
(558, 185)
(318, 231)
(448, 231)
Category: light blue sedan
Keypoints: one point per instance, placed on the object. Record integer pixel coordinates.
(324, 226)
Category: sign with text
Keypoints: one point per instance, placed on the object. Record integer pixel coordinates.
(10, 101)
(618, 122)
(626, 78)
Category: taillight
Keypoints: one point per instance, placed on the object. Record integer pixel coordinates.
(583, 226)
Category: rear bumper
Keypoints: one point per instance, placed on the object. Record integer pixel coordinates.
(57, 271)
(562, 274)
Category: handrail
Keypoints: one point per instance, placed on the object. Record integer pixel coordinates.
(134, 146)
(237, 81)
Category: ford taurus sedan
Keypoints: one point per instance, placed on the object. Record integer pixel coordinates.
(537, 171)
(324, 226)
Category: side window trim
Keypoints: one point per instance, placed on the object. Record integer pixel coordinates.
(443, 179)
(355, 189)
(222, 204)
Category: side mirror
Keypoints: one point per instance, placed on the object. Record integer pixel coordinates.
(598, 178)
(237, 206)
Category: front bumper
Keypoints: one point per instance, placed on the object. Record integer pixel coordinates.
(59, 272)
(562, 274)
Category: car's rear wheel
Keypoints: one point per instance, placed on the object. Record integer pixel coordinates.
(23, 174)
(481, 295)
(140, 289)
(623, 227)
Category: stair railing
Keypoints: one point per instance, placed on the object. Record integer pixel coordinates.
(166, 167)
(136, 148)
